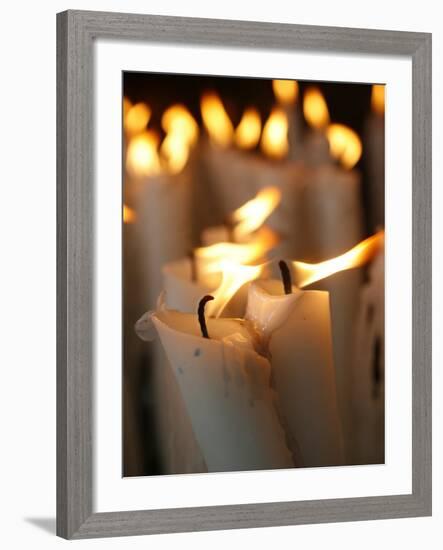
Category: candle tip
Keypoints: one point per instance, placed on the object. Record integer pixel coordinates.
(201, 314)
(286, 276)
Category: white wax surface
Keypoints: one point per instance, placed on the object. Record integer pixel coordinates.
(268, 307)
(182, 293)
(225, 385)
(300, 349)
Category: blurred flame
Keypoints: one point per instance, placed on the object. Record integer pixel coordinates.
(274, 140)
(142, 157)
(175, 153)
(285, 91)
(315, 108)
(362, 253)
(216, 120)
(137, 118)
(253, 213)
(126, 106)
(344, 144)
(378, 98)
(234, 276)
(247, 133)
(177, 120)
(129, 215)
(210, 258)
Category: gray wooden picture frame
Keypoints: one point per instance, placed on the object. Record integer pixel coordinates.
(76, 32)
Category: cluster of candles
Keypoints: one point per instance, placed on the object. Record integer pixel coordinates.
(249, 239)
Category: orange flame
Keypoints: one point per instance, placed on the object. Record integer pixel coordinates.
(129, 215)
(178, 120)
(274, 140)
(247, 133)
(306, 273)
(136, 118)
(378, 98)
(344, 144)
(142, 157)
(315, 109)
(253, 213)
(209, 258)
(216, 120)
(126, 106)
(234, 276)
(182, 133)
(285, 91)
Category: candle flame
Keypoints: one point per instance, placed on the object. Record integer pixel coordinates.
(247, 133)
(136, 118)
(315, 109)
(209, 258)
(344, 144)
(129, 215)
(234, 276)
(378, 98)
(216, 120)
(253, 213)
(126, 106)
(274, 141)
(142, 157)
(357, 256)
(177, 120)
(175, 153)
(285, 91)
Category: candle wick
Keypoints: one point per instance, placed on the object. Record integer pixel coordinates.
(201, 314)
(286, 276)
(193, 263)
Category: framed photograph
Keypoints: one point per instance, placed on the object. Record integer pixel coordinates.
(244, 274)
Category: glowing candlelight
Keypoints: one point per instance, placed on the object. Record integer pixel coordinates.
(274, 141)
(344, 145)
(129, 215)
(285, 91)
(142, 157)
(136, 118)
(249, 217)
(216, 120)
(359, 255)
(378, 99)
(247, 133)
(315, 109)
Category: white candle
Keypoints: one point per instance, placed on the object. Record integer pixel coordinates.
(225, 385)
(286, 93)
(295, 330)
(183, 288)
(374, 138)
(340, 277)
(315, 110)
(164, 226)
(368, 375)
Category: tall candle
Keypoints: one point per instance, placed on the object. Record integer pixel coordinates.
(340, 277)
(295, 330)
(225, 385)
(286, 93)
(225, 164)
(368, 375)
(315, 110)
(374, 138)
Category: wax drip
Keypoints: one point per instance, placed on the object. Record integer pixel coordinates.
(193, 263)
(201, 314)
(286, 276)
